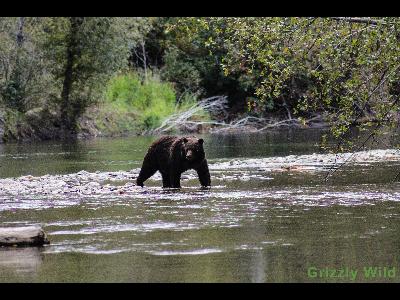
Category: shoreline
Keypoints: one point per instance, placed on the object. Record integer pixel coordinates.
(90, 131)
(92, 183)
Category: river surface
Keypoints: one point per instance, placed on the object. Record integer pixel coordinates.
(269, 216)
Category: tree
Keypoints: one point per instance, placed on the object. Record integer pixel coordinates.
(22, 68)
(139, 29)
(193, 60)
(85, 52)
(346, 69)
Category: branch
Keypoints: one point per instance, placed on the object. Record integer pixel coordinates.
(371, 135)
(359, 20)
(213, 105)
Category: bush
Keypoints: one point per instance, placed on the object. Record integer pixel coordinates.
(150, 100)
(182, 71)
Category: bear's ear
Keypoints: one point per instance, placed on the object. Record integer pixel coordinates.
(201, 141)
(185, 140)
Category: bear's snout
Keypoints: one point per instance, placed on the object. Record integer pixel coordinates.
(189, 155)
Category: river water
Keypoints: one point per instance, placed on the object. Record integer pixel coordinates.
(269, 216)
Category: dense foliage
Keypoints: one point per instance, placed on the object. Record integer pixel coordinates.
(22, 65)
(344, 69)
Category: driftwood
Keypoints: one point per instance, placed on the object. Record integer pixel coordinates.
(214, 105)
(23, 236)
(256, 124)
(217, 106)
(360, 20)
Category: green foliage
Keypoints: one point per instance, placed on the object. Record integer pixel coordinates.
(102, 46)
(195, 49)
(181, 71)
(24, 82)
(345, 68)
(12, 120)
(85, 52)
(152, 99)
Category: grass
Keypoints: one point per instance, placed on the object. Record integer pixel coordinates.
(134, 104)
(151, 99)
(130, 105)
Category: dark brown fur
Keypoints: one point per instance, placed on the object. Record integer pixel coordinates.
(172, 156)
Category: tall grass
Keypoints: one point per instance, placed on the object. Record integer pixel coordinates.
(150, 100)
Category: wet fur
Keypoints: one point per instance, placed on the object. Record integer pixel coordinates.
(168, 155)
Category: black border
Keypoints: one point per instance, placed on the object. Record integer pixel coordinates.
(175, 8)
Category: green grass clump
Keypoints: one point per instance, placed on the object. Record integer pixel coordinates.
(151, 101)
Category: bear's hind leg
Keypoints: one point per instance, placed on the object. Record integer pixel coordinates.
(148, 169)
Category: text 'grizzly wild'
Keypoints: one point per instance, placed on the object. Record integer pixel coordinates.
(172, 156)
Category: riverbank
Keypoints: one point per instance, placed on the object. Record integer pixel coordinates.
(107, 120)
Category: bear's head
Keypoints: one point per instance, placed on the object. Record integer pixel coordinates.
(193, 149)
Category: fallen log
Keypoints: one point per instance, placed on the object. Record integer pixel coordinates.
(23, 236)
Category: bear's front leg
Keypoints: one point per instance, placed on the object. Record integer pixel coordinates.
(166, 180)
(175, 179)
(204, 174)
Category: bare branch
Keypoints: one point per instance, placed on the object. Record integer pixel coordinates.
(215, 105)
(359, 20)
(370, 136)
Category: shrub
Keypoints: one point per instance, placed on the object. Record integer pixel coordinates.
(150, 99)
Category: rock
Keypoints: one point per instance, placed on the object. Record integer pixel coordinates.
(23, 236)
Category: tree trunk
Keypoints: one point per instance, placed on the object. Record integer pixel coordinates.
(20, 31)
(16, 86)
(144, 60)
(68, 116)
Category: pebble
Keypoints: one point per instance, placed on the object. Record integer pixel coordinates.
(85, 183)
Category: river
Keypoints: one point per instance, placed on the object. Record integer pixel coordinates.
(269, 216)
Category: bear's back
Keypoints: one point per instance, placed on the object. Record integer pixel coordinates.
(164, 143)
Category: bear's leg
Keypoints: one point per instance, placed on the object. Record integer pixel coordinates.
(175, 179)
(166, 180)
(148, 169)
(204, 174)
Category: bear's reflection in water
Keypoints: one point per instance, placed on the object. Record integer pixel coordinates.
(21, 260)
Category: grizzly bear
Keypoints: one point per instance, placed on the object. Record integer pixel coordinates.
(172, 156)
